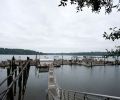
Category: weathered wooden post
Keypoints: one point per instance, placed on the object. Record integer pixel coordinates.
(15, 83)
(62, 59)
(13, 63)
(9, 81)
(14, 67)
(28, 67)
(71, 60)
(39, 59)
(76, 59)
(104, 60)
(91, 61)
(36, 60)
(20, 82)
(24, 79)
(25, 75)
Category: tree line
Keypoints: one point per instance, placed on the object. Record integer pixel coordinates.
(18, 51)
(8, 51)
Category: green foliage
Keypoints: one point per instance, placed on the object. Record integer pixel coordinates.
(96, 5)
(114, 35)
(115, 52)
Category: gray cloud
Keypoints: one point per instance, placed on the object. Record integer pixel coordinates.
(42, 25)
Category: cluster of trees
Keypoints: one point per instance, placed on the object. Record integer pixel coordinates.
(18, 51)
(96, 5)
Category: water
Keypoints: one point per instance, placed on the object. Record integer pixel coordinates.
(98, 79)
(37, 85)
(36, 88)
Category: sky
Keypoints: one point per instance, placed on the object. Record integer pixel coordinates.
(43, 26)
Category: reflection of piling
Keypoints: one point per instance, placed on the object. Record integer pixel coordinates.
(91, 64)
(9, 79)
(116, 61)
(71, 61)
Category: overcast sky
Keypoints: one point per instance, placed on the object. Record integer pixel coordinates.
(43, 26)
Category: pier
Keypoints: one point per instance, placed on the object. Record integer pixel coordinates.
(45, 63)
(15, 73)
(53, 90)
(56, 93)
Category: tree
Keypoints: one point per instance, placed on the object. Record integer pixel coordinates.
(96, 5)
(114, 35)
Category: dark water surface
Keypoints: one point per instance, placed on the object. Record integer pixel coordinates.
(36, 88)
(98, 79)
(37, 85)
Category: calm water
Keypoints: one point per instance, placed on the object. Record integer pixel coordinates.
(36, 88)
(37, 85)
(98, 79)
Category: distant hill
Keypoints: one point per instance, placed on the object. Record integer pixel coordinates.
(8, 51)
(18, 51)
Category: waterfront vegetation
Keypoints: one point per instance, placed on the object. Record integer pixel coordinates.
(6, 51)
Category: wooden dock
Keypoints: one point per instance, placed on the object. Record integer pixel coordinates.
(53, 91)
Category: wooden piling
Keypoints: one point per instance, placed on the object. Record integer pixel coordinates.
(15, 82)
(10, 95)
(104, 60)
(62, 59)
(20, 84)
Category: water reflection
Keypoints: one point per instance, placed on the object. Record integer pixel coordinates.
(98, 79)
(22, 81)
(37, 85)
(29, 86)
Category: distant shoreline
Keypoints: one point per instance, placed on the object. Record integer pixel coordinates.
(8, 51)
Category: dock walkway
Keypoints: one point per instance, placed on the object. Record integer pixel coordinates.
(56, 93)
(53, 91)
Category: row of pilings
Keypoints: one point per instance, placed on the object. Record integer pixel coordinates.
(88, 61)
(17, 77)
